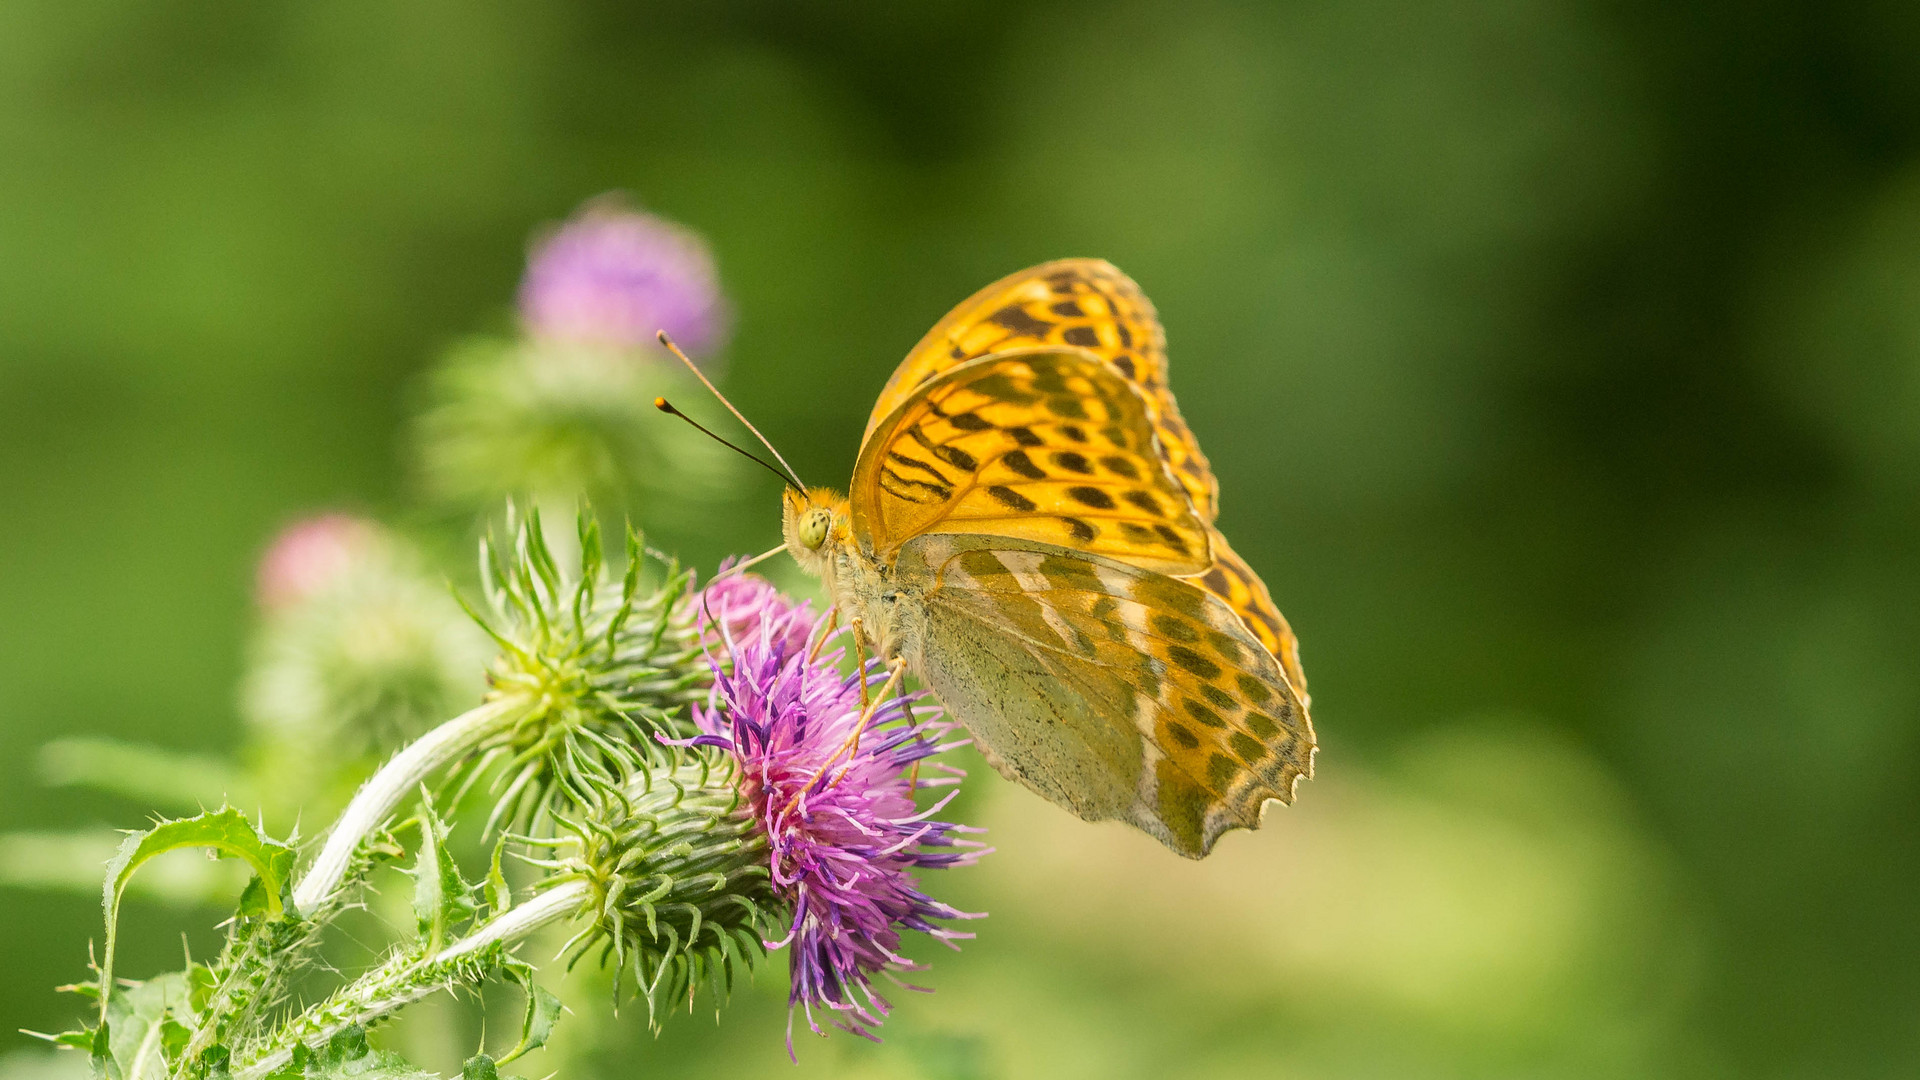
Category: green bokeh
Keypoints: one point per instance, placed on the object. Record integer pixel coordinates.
(1560, 363)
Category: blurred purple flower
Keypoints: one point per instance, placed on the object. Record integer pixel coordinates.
(309, 557)
(737, 607)
(840, 818)
(616, 276)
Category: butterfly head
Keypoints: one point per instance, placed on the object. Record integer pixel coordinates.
(814, 523)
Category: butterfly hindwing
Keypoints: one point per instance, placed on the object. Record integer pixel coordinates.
(1115, 691)
(1046, 445)
(1083, 303)
(1241, 589)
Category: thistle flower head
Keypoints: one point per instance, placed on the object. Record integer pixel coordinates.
(360, 647)
(313, 555)
(836, 804)
(616, 276)
(678, 873)
(738, 607)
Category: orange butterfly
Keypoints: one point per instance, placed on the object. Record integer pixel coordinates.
(1030, 530)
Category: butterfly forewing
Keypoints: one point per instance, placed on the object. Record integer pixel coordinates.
(1047, 445)
(1085, 303)
(1091, 304)
(1154, 702)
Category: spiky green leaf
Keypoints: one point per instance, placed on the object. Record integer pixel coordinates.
(442, 899)
(228, 832)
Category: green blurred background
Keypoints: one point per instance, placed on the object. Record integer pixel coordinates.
(1560, 363)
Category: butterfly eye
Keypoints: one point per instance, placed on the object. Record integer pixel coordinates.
(813, 530)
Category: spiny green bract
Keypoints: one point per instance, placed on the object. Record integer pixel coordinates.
(603, 665)
(681, 890)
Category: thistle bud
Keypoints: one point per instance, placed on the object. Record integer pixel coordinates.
(360, 648)
(599, 667)
(616, 276)
(681, 894)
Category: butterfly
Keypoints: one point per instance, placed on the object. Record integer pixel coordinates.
(1029, 530)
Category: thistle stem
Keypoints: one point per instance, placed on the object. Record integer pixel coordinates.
(395, 781)
(517, 923)
(385, 990)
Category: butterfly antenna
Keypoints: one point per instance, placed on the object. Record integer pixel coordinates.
(746, 564)
(668, 407)
(791, 476)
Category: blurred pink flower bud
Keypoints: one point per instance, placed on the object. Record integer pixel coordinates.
(310, 556)
(615, 276)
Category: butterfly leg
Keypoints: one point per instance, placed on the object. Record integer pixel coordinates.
(828, 628)
(851, 747)
(852, 744)
(859, 628)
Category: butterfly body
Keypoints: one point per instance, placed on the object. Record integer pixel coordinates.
(1030, 530)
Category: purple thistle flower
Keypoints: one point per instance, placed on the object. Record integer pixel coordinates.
(739, 607)
(843, 830)
(616, 276)
(311, 556)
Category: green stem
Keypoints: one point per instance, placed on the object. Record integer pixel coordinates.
(402, 982)
(394, 783)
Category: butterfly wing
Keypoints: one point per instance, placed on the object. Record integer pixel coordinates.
(1083, 303)
(1235, 583)
(1114, 691)
(1090, 304)
(1046, 445)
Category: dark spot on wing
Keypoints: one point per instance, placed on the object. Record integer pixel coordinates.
(1220, 698)
(1084, 336)
(1011, 499)
(1025, 436)
(1019, 462)
(1015, 318)
(915, 463)
(1182, 736)
(1194, 662)
(1120, 466)
(913, 490)
(1221, 770)
(1067, 405)
(1226, 646)
(1247, 747)
(1081, 531)
(1068, 309)
(983, 564)
(1123, 361)
(1202, 713)
(1003, 387)
(967, 421)
(1145, 501)
(1091, 496)
(1256, 690)
(1074, 432)
(1073, 462)
(1173, 539)
(956, 457)
(1176, 628)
